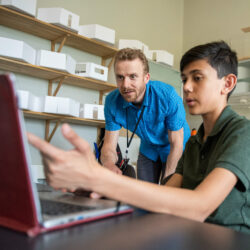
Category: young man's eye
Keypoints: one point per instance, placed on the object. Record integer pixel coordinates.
(183, 80)
(197, 78)
(133, 76)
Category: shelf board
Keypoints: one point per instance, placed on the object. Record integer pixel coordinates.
(15, 66)
(68, 119)
(31, 25)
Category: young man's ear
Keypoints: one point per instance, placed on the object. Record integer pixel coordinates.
(230, 82)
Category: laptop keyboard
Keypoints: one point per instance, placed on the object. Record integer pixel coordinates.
(58, 208)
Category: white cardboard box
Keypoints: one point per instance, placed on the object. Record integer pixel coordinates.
(162, 56)
(135, 44)
(23, 99)
(24, 6)
(92, 111)
(101, 112)
(55, 60)
(98, 32)
(17, 49)
(36, 103)
(68, 106)
(50, 104)
(92, 70)
(37, 173)
(60, 17)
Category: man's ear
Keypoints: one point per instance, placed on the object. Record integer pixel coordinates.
(230, 83)
(146, 78)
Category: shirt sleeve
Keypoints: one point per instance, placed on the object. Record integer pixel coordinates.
(109, 111)
(176, 115)
(234, 153)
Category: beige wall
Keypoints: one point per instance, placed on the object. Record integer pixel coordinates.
(172, 25)
(206, 21)
(158, 23)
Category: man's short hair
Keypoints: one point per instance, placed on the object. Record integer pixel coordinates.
(130, 55)
(218, 54)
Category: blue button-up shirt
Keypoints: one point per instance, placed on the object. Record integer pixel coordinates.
(164, 111)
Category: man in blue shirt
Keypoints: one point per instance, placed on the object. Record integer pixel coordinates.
(154, 108)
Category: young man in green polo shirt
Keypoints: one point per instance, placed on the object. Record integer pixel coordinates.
(211, 182)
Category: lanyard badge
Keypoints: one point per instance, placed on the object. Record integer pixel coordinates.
(126, 160)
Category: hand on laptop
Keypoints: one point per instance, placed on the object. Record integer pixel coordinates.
(67, 170)
(82, 192)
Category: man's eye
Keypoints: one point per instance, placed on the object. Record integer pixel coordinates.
(119, 77)
(133, 76)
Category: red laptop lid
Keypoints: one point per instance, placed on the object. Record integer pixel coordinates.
(17, 206)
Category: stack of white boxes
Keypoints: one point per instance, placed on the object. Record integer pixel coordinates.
(98, 32)
(17, 49)
(92, 111)
(160, 56)
(55, 60)
(68, 106)
(24, 6)
(61, 105)
(36, 103)
(23, 99)
(48, 104)
(92, 70)
(27, 100)
(60, 17)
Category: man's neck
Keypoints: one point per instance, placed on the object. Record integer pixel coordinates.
(137, 104)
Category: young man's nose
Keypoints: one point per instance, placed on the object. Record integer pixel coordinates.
(187, 86)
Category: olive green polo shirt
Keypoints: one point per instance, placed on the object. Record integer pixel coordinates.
(228, 146)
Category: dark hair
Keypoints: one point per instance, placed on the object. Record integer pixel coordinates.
(218, 54)
(132, 54)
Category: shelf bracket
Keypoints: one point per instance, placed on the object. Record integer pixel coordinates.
(48, 136)
(61, 79)
(110, 63)
(62, 39)
(101, 93)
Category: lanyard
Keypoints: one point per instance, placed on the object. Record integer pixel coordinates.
(137, 123)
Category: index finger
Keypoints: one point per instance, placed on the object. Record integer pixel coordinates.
(44, 147)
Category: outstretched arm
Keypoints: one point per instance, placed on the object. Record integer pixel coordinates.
(78, 168)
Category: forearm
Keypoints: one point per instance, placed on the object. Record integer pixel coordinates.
(141, 194)
(108, 157)
(172, 160)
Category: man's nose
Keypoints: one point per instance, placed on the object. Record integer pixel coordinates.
(126, 82)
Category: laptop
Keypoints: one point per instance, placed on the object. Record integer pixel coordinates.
(22, 207)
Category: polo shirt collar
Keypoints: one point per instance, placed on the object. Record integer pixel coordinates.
(226, 115)
(145, 99)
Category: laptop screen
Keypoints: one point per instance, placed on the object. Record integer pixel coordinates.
(17, 208)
